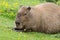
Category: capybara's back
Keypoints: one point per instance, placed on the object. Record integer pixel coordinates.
(41, 18)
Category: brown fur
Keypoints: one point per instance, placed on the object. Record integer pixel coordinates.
(40, 18)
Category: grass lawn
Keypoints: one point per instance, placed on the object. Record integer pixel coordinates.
(6, 24)
(6, 32)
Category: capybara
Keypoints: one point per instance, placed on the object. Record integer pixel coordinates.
(40, 18)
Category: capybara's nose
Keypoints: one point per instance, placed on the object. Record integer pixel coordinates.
(17, 23)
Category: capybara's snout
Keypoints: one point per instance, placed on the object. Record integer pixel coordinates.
(17, 23)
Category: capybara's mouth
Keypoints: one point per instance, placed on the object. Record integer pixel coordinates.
(17, 29)
(21, 30)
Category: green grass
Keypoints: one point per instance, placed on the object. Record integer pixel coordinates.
(6, 32)
(8, 9)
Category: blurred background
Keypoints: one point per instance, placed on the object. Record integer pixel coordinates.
(9, 8)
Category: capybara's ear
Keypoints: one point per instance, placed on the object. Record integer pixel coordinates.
(29, 8)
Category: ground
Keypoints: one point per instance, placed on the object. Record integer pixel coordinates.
(8, 9)
(6, 32)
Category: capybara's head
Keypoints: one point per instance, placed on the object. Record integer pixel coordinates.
(22, 17)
